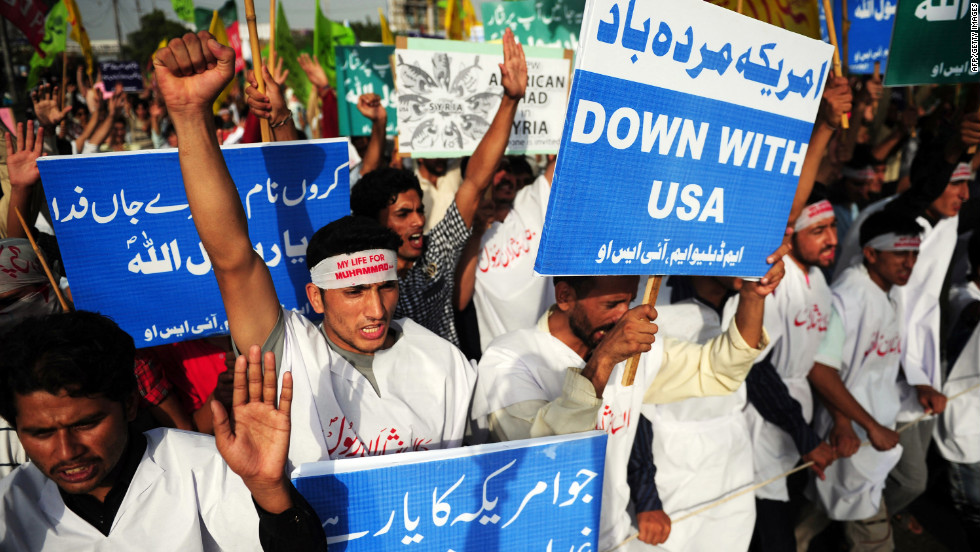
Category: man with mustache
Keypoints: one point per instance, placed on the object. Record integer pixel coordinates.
(796, 319)
(565, 375)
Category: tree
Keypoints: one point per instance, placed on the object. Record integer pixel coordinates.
(368, 31)
(154, 27)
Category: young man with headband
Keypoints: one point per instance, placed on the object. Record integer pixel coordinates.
(365, 385)
(863, 345)
(796, 319)
(940, 179)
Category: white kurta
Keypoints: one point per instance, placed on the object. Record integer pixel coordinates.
(702, 449)
(796, 318)
(957, 432)
(182, 497)
(508, 295)
(530, 364)
(920, 299)
(869, 365)
(425, 386)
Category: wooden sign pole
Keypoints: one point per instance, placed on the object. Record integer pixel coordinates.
(44, 263)
(253, 40)
(649, 298)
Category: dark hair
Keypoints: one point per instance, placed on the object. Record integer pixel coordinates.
(349, 235)
(82, 353)
(816, 195)
(862, 157)
(517, 164)
(889, 220)
(581, 284)
(379, 189)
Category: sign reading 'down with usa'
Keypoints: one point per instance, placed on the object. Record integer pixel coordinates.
(537, 494)
(685, 135)
(131, 250)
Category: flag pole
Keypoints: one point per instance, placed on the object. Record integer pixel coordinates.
(253, 40)
(272, 36)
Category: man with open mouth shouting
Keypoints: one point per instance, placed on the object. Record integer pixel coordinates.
(360, 377)
(427, 265)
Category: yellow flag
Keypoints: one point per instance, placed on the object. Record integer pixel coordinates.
(454, 21)
(78, 33)
(218, 30)
(387, 38)
(469, 18)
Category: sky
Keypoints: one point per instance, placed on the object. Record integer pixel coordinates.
(99, 20)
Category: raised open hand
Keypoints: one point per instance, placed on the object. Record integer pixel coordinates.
(45, 100)
(256, 447)
(513, 71)
(280, 75)
(22, 164)
(192, 71)
(314, 71)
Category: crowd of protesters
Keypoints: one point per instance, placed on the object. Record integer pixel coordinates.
(870, 310)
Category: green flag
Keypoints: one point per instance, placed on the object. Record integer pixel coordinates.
(202, 16)
(286, 49)
(327, 35)
(184, 9)
(55, 31)
(931, 44)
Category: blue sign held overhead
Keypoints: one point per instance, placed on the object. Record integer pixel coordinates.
(685, 135)
(870, 33)
(537, 494)
(131, 250)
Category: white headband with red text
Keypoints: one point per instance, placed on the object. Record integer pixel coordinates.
(894, 242)
(813, 214)
(356, 269)
(963, 171)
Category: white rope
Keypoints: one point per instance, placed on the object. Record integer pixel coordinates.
(754, 488)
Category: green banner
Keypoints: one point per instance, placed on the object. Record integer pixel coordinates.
(327, 35)
(228, 13)
(931, 43)
(55, 27)
(286, 49)
(535, 22)
(364, 70)
(184, 9)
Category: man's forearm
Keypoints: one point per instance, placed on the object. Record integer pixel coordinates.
(20, 199)
(819, 138)
(748, 318)
(217, 209)
(835, 395)
(376, 146)
(483, 163)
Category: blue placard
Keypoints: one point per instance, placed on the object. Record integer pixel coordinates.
(131, 250)
(686, 131)
(125, 72)
(870, 33)
(538, 494)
